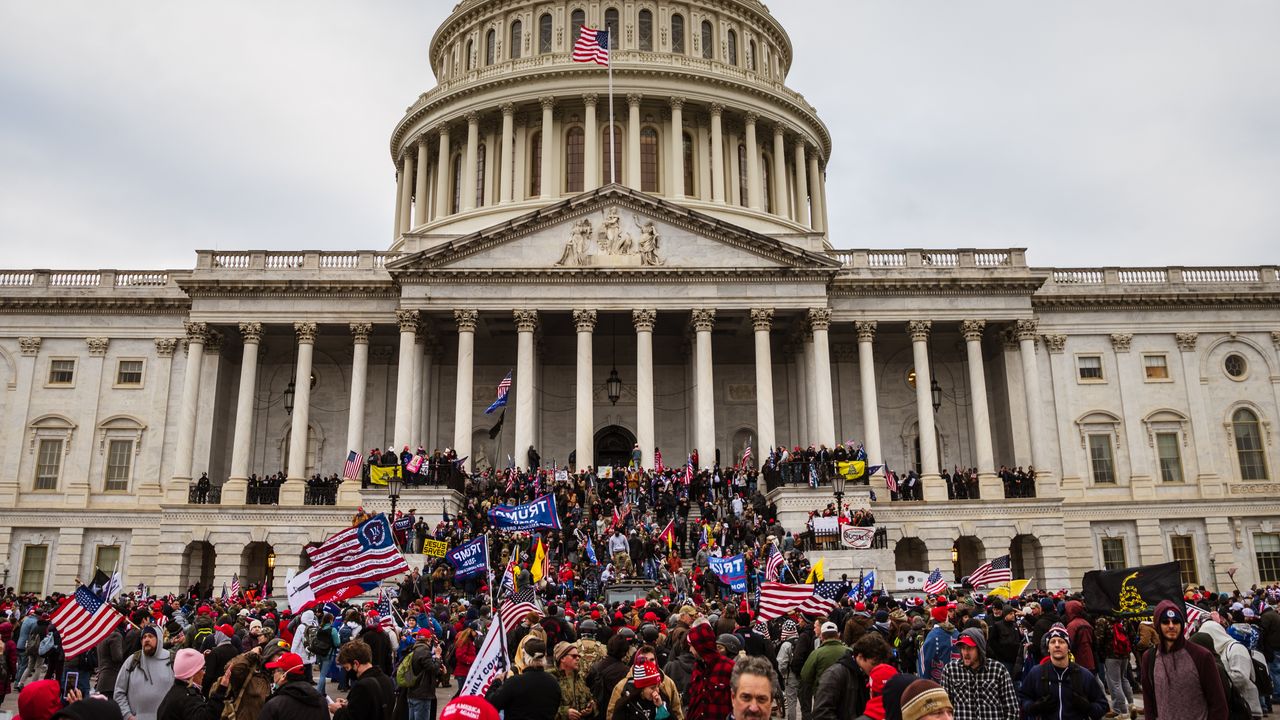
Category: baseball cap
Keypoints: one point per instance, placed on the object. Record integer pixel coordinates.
(966, 640)
(288, 662)
(829, 627)
(469, 707)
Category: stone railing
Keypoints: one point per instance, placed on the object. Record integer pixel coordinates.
(1138, 278)
(237, 260)
(86, 279)
(925, 259)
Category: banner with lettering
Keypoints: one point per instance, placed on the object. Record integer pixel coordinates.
(732, 571)
(470, 559)
(540, 513)
(434, 548)
(491, 661)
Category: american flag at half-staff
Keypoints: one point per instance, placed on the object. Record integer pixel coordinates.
(993, 572)
(778, 599)
(83, 620)
(353, 467)
(518, 605)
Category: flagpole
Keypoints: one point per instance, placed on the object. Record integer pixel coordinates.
(613, 169)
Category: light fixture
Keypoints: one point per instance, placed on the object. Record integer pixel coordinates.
(394, 483)
(837, 487)
(271, 560)
(955, 554)
(288, 398)
(613, 386)
(936, 391)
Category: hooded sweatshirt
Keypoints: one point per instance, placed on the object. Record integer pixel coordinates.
(1080, 633)
(974, 692)
(308, 620)
(143, 682)
(1238, 663)
(1180, 682)
(39, 700)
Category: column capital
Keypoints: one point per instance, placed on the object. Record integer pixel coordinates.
(1275, 338)
(1120, 341)
(677, 102)
(703, 319)
(407, 320)
(507, 109)
(466, 319)
(749, 119)
(762, 319)
(819, 318)
(1027, 329)
(526, 320)
(584, 320)
(644, 319)
(715, 109)
(196, 331)
(251, 332)
(547, 102)
(473, 118)
(213, 345)
(1056, 343)
(360, 333)
(1187, 340)
(97, 346)
(866, 330)
(29, 346)
(919, 330)
(972, 329)
(441, 129)
(590, 99)
(780, 129)
(165, 346)
(633, 99)
(306, 332)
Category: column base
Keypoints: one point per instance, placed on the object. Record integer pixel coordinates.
(235, 491)
(934, 489)
(293, 491)
(349, 494)
(990, 486)
(176, 492)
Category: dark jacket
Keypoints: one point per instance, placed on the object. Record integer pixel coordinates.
(532, 695)
(1080, 632)
(297, 700)
(842, 691)
(372, 697)
(110, 658)
(215, 663)
(1204, 662)
(184, 702)
(1072, 694)
(380, 645)
(1005, 641)
(1269, 624)
(427, 667)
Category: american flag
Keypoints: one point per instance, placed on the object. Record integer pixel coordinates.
(778, 599)
(83, 620)
(235, 585)
(934, 584)
(688, 470)
(773, 566)
(890, 480)
(504, 387)
(386, 617)
(1194, 615)
(360, 554)
(592, 46)
(515, 608)
(993, 572)
(746, 453)
(508, 584)
(355, 463)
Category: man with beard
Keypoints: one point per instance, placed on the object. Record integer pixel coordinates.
(1179, 679)
(144, 678)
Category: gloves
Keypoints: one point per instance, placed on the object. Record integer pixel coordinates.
(1080, 703)
(1041, 706)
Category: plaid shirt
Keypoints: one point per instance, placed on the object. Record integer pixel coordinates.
(709, 696)
(983, 694)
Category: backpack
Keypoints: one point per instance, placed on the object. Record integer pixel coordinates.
(199, 637)
(320, 641)
(47, 644)
(1120, 646)
(1261, 678)
(405, 676)
(451, 658)
(344, 634)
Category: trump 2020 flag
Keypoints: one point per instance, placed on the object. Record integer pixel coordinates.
(470, 559)
(732, 571)
(504, 388)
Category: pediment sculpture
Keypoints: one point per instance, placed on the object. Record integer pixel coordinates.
(613, 246)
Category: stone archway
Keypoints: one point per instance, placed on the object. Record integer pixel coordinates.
(911, 554)
(1026, 557)
(968, 553)
(197, 566)
(256, 563)
(613, 446)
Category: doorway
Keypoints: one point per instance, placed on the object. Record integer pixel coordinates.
(613, 445)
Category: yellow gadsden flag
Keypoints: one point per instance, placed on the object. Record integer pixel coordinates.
(539, 568)
(1014, 589)
(378, 475)
(816, 573)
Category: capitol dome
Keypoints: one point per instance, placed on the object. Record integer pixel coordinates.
(472, 152)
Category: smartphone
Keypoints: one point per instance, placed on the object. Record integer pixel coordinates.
(71, 680)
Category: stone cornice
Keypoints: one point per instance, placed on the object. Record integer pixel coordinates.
(119, 305)
(305, 288)
(894, 285)
(1155, 301)
(575, 276)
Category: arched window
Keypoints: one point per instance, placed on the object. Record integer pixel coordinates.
(576, 21)
(517, 39)
(456, 204)
(535, 165)
(733, 48)
(544, 34)
(1249, 451)
(751, 55)
(575, 159)
(649, 160)
(765, 164)
(481, 156)
(677, 34)
(611, 23)
(490, 47)
(744, 196)
(616, 176)
(688, 165)
(708, 40)
(644, 30)
(471, 55)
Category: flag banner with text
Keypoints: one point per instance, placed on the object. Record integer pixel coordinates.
(540, 513)
(434, 548)
(1132, 591)
(378, 474)
(470, 559)
(732, 571)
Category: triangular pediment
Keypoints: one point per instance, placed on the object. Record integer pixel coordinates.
(614, 228)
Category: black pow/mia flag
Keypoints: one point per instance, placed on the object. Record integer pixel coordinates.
(1132, 591)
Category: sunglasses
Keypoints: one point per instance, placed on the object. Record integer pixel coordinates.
(1170, 621)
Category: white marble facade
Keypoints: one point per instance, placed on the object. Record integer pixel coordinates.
(706, 276)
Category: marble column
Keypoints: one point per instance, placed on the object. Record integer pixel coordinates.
(443, 175)
(818, 210)
(591, 145)
(810, 387)
(547, 175)
(677, 148)
(526, 324)
(762, 323)
(197, 333)
(469, 168)
(1026, 333)
(463, 412)
(406, 191)
(704, 319)
(506, 182)
(644, 321)
(819, 323)
(359, 384)
(802, 184)
(866, 330)
(990, 485)
(408, 322)
(584, 420)
(415, 398)
(780, 204)
(934, 488)
(421, 204)
(801, 396)
(291, 493)
(395, 220)
(754, 196)
(236, 488)
(428, 398)
(717, 153)
(633, 140)
(25, 384)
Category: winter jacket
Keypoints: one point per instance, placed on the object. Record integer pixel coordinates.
(822, 657)
(299, 700)
(667, 688)
(532, 695)
(372, 697)
(1080, 633)
(986, 692)
(1269, 623)
(1238, 663)
(184, 702)
(1191, 663)
(8, 656)
(299, 648)
(709, 695)
(842, 691)
(1005, 641)
(935, 653)
(110, 658)
(142, 683)
(1070, 693)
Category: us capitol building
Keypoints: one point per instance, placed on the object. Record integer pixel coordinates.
(699, 272)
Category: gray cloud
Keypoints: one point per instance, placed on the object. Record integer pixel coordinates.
(1093, 133)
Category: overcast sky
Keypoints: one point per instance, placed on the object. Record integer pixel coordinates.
(1144, 132)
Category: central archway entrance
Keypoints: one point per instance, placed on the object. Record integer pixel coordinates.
(613, 446)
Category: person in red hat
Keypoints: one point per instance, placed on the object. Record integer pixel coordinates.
(935, 653)
(295, 698)
(469, 707)
(641, 699)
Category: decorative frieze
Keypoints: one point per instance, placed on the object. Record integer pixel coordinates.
(1120, 342)
(1187, 340)
(644, 319)
(762, 319)
(97, 346)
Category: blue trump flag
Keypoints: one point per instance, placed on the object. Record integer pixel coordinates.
(866, 586)
(540, 513)
(470, 559)
(732, 571)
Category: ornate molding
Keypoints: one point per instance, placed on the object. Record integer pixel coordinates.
(584, 320)
(526, 320)
(1027, 329)
(715, 109)
(97, 346)
(644, 319)
(972, 329)
(360, 333)
(919, 330)
(407, 320)
(29, 346)
(1275, 338)
(507, 109)
(703, 319)
(1120, 342)
(1055, 343)
(213, 345)
(1009, 337)
(677, 102)
(165, 346)
(466, 319)
(762, 319)
(306, 332)
(251, 332)
(473, 118)
(1187, 340)
(1253, 488)
(633, 99)
(590, 99)
(547, 102)
(819, 318)
(749, 118)
(196, 331)
(866, 330)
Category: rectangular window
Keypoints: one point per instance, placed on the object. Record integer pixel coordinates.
(119, 463)
(48, 464)
(34, 558)
(62, 372)
(1156, 367)
(1101, 459)
(1089, 367)
(1266, 548)
(1184, 553)
(107, 558)
(129, 372)
(1169, 451)
(1113, 554)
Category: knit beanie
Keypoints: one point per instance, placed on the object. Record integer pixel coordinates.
(645, 675)
(924, 697)
(1057, 631)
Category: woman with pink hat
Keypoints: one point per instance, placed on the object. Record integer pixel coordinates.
(184, 700)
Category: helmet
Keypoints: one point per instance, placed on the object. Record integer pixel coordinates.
(588, 627)
(649, 632)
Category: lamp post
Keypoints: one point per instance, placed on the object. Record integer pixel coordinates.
(393, 494)
(837, 486)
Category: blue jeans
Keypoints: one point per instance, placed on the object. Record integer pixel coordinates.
(325, 666)
(421, 709)
(1274, 667)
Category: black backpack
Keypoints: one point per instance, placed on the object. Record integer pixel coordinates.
(1261, 675)
(321, 643)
